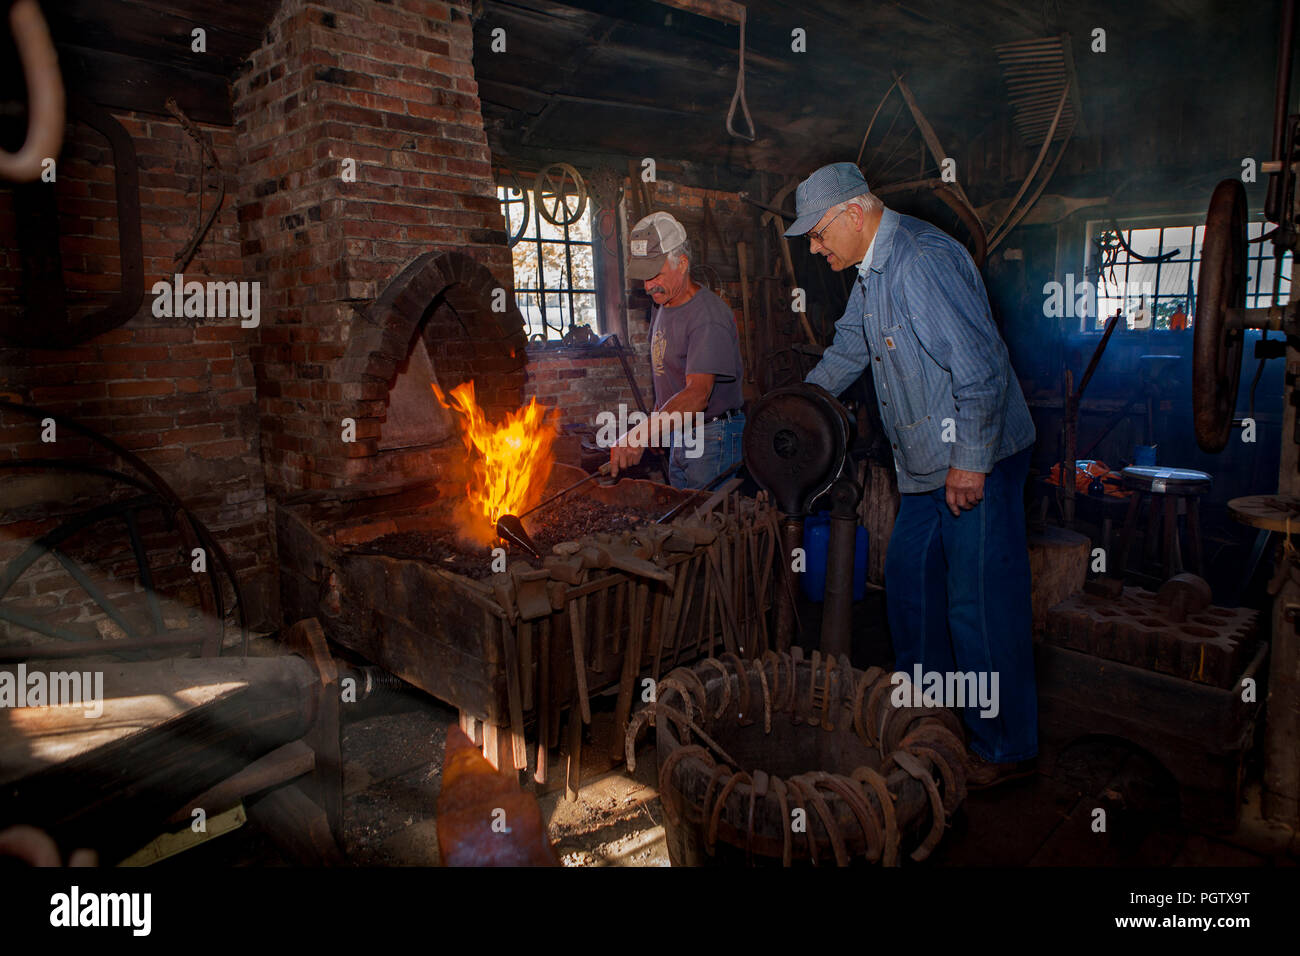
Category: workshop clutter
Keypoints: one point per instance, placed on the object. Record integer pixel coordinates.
(1092, 477)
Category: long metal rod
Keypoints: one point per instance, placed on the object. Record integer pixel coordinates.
(1281, 106)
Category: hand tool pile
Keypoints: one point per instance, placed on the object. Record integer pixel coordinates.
(870, 777)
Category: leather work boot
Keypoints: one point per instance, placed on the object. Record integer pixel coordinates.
(983, 774)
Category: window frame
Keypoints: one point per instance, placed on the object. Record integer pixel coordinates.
(1255, 256)
(537, 295)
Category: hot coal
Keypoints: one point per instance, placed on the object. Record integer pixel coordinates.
(565, 520)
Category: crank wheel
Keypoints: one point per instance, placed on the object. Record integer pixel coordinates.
(1221, 285)
(552, 190)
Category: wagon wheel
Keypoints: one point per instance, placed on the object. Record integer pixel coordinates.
(1217, 345)
(560, 181)
(137, 635)
(516, 185)
(150, 630)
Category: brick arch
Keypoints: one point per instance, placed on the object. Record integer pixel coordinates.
(447, 297)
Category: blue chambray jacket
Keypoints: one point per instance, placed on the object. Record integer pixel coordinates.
(922, 314)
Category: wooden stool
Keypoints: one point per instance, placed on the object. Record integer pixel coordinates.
(1170, 491)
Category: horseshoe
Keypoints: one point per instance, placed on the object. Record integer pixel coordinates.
(949, 720)
(46, 106)
(666, 787)
(742, 684)
(949, 778)
(796, 797)
(678, 718)
(720, 804)
(826, 694)
(828, 821)
(767, 700)
(953, 753)
(776, 675)
(706, 808)
(865, 775)
(865, 681)
(857, 803)
(896, 725)
(813, 719)
(937, 816)
(674, 684)
(778, 787)
(634, 728)
(695, 684)
(879, 689)
(726, 683)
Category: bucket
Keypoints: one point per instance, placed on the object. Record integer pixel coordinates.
(816, 546)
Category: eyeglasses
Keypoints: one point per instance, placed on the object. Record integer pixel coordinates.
(820, 236)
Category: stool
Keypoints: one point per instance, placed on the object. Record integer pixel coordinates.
(1170, 491)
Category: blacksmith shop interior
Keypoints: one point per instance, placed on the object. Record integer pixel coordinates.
(649, 433)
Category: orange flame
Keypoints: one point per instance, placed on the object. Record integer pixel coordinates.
(510, 462)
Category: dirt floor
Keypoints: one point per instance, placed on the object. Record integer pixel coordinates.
(393, 765)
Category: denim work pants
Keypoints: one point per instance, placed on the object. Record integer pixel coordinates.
(958, 593)
(719, 450)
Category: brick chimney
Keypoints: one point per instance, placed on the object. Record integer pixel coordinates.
(368, 212)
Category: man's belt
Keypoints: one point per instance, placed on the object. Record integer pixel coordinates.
(728, 414)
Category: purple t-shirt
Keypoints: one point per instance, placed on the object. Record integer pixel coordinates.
(697, 338)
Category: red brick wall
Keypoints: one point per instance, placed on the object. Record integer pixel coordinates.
(392, 87)
(176, 391)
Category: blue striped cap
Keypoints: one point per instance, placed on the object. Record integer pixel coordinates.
(823, 189)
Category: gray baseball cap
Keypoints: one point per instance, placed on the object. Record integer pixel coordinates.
(825, 188)
(651, 240)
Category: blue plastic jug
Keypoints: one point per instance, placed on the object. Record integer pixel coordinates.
(816, 544)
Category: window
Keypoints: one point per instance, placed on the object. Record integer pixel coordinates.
(1151, 275)
(555, 276)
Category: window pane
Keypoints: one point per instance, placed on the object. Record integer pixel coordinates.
(548, 230)
(524, 255)
(553, 266)
(1173, 278)
(581, 230)
(1180, 238)
(1145, 242)
(585, 314)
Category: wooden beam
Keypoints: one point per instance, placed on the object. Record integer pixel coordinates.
(725, 10)
(119, 82)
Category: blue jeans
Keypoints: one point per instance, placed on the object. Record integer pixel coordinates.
(719, 450)
(958, 593)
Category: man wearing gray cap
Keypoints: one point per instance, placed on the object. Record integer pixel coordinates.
(957, 571)
(695, 357)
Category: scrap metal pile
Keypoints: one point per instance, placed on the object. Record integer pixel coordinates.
(799, 761)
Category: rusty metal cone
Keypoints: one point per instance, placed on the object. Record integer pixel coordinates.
(510, 528)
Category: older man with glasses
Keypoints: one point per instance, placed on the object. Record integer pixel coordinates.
(957, 571)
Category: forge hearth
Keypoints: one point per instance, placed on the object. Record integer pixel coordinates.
(515, 648)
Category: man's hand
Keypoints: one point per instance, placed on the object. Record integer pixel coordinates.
(965, 489)
(625, 456)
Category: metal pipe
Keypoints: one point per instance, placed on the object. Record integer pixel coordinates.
(837, 609)
(1281, 106)
(786, 618)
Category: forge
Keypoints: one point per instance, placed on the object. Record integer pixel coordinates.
(510, 641)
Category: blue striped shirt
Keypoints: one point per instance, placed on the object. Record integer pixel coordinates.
(948, 395)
